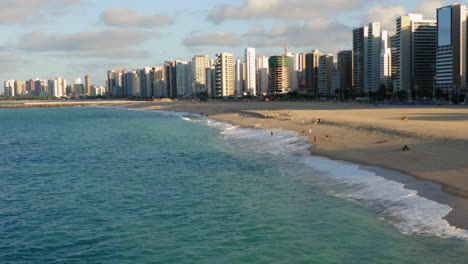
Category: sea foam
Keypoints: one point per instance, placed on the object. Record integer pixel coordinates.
(403, 207)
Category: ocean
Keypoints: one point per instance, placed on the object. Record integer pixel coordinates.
(109, 185)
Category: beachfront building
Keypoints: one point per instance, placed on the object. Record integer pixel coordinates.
(210, 80)
(199, 65)
(239, 77)
(131, 83)
(224, 83)
(171, 80)
(115, 82)
(279, 74)
(451, 58)
(325, 75)
(369, 50)
(184, 79)
(158, 75)
(250, 72)
(262, 75)
(312, 63)
(416, 55)
(385, 62)
(88, 84)
(345, 68)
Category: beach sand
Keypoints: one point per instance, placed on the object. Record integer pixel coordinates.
(364, 134)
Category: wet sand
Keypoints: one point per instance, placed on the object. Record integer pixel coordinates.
(365, 134)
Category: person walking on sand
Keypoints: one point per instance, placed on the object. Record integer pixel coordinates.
(272, 134)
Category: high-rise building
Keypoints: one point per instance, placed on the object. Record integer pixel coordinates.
(372, 61)
(452, 42)
(251, 72)
(184, 79)
(146, 84)
(325, 75)
(345, 68)
(312, 62)
(171, 78)
(239, 77)
(359, 43)
(88, 84)
(199, 65)
(385, 62)
(262, 75)
(210, 80)
(132, 84)
(279, 74)
(370, 58)
(9, 87)
(416, 54)
(224, 84)
(158, 82)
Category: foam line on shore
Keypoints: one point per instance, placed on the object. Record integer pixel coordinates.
(403, 208)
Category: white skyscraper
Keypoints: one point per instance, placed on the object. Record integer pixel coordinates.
(199, 65)
(250, 71)
(385, 61)
(262, 75)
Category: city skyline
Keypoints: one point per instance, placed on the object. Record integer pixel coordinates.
(79, 37)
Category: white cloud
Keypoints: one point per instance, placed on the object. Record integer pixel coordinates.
(116, 43)
(20, 12)
(292, 9)
(9, 61)
(386, 15)
(213, 39)
(429, 8)
(38, 3)
(312, 35)
(124, 17)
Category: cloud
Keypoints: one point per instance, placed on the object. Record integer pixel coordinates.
(38, 3)
(20, 12)
(116, 43)
(386, 15)
(213, 39)
(313, 34)
(275, 9)
(9, 62)
(125, 17)
(429, 8)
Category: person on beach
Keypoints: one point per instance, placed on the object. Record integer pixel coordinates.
(405, 148)
(272, 134)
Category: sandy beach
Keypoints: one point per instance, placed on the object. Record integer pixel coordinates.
(364, 134)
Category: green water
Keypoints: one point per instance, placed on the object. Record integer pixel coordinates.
(92, 185)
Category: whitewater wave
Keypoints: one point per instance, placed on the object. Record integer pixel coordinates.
(403, 207)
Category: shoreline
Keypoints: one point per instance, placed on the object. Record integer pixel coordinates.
(353, 138)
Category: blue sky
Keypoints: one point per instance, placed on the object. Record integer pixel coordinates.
(71, 38)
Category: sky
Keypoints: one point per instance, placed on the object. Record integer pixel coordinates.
(72, 38)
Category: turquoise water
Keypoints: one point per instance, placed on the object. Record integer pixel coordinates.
(95, 185)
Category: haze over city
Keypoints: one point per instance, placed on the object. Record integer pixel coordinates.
(72, 38)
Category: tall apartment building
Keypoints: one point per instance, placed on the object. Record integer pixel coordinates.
(159, 85)
(359, 42)
(131, 84)
(210, 80)
(239, 77)
(146, 84)
(345, 68)
(88, 84)
(171, 78)
(199, 65)
(250, 71)
(371, 57)
(416, 54)
(385, 62)
(325, 75)
(452, 56)
(312, 63)
(224, 84)
(279, 74)
(262, 75)
(184, 79)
